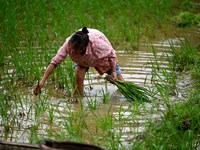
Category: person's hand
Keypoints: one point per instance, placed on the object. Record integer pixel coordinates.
(37, 88)
(114, 75)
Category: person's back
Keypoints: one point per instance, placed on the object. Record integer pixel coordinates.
(87, 48)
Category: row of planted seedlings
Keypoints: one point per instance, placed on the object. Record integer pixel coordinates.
(179, 125)
(23, 69)
(29, 119)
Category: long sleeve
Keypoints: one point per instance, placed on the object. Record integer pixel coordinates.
(61, 54)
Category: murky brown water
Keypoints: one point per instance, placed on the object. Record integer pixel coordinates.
(134, 68)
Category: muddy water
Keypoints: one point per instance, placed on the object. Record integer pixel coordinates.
(135, 67)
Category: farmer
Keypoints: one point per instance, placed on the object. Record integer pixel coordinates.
(87, 48)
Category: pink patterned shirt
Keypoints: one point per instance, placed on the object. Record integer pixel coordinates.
(99, 53)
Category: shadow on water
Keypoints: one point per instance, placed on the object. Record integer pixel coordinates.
(102, 100)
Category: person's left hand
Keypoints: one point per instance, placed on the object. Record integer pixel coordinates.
(114, 75)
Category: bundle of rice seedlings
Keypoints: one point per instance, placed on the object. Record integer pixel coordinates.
(130, 90)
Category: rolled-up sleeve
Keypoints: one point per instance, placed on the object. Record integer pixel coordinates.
(61, 54)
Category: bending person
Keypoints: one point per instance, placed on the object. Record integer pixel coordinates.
(87, 48)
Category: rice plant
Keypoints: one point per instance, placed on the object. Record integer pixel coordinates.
(130, 90)
(92, 103)
(182, 119)
(106, 95)
(51, 112)
(185, 57)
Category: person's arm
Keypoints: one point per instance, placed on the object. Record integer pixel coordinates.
(113, 71)
(60, 56)
(113, 62)
(46, 75)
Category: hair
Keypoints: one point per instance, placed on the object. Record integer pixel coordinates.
(80, 39)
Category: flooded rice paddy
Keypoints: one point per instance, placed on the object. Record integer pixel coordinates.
(51, 115)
